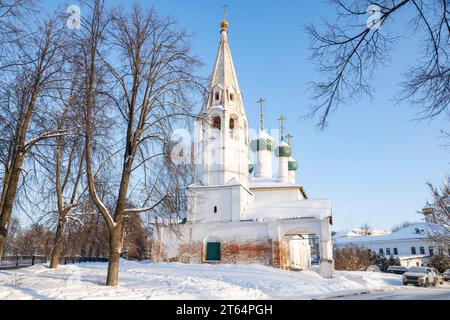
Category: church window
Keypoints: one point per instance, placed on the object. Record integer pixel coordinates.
(215, 209)
(422, 250)
(388, 251)
(440, 250)
(213, 251)
(216, 95)
(431, 251)
(381, 251)
(232, 123)
(217, 123)
(413, 250)
(395, 251)
(231, 96)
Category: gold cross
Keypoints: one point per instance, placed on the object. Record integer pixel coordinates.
(225, 7)
(261, 103)
(281, 119)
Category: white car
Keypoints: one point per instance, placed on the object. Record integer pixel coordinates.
(446, 275)
(420, 276)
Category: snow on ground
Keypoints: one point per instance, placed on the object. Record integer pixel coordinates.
(145, 280)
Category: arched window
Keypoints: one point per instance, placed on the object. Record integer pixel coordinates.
(231, 97)
(217, 123)
(217, 95)
(233, 126)
(232, 123)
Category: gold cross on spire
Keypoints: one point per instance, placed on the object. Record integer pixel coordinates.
(282, 119)
(290, 136)
(225, 7)
(261, 102)
(224, 23)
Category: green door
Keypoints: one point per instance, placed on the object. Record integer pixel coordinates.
(213, 251)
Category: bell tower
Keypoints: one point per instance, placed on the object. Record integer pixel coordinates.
(224, 126)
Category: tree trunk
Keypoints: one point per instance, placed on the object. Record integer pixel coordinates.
(8, 201)
(57, 245)
(115, 246)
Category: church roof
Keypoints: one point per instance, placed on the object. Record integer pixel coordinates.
(258, 183)
(224, 74)
(283, 210)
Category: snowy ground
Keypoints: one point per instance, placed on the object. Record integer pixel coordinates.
(182, 281)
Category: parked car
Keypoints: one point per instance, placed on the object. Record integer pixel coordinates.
(420, 276)
(439, 277)
(446, 275)
(397, 269)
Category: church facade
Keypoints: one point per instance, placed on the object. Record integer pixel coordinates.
(237, 211)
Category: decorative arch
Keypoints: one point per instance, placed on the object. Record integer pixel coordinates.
(233, 126)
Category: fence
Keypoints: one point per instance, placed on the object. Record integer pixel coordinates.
(15, 262)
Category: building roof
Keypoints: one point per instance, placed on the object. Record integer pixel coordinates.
(415, 231)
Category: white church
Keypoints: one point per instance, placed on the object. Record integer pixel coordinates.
(239, 212)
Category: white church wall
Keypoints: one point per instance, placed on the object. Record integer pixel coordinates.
(273, 195)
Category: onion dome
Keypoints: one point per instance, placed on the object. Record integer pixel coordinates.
(263, 142)
(292, 164)
(251, 167)
(283, 151)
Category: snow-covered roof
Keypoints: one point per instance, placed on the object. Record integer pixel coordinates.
(270, 183)
(282, 210)
(264, 135)
(359, 233)
(415, 231)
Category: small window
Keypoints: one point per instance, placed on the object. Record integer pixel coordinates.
(413, 250)
(231, 97)
(380, 251)
(431, 251)
(422, 250)
(216, 95)
(395, 251)
(217, 123)
(215, 209)
(440, 250)
(213, 251)
(388, 251)
(232, 121)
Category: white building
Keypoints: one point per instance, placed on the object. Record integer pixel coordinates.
(233, 217)
(410, 244)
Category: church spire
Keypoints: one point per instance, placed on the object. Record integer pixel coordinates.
(224, 87)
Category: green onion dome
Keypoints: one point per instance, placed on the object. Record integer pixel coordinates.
(251, 167)
(283, 151)
(263, 142)
(292, 164)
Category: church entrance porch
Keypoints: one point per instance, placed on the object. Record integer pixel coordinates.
(291, 244)
(295, 252)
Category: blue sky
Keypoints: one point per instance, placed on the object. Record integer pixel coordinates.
(373, 160)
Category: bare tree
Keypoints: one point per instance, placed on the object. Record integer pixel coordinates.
(440, 213)
(151, 82)
(23, 101)
(68, 167)
(348, 51)
(366, 229)
(13, 14)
